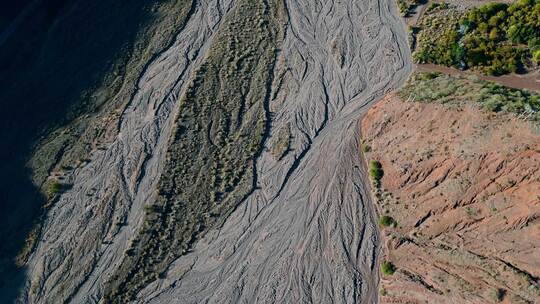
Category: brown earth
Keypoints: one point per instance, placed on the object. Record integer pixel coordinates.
(464, 187)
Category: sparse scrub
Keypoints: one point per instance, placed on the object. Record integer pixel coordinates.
(149, 209)
(220, 129)
(281, 142)
(437, 5)
(29, 245)
(471, 211)
(434, 87)
(406, 7)
(54, 188)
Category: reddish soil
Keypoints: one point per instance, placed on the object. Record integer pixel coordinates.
(464, 188)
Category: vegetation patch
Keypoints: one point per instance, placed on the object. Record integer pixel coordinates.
(407, 7)
(496, 38)
(29, 245)
(441, 88)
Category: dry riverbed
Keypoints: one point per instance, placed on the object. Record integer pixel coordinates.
(228, 170)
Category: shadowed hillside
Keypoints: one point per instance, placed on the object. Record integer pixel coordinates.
(63, 51)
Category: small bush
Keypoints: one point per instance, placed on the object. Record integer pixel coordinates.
(387, 268)
(386, 221)
(497, 294)
(151, 209)
(471, 211)
(366, 148)
(54, 188)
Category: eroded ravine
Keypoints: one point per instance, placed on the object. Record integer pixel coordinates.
(306, 233)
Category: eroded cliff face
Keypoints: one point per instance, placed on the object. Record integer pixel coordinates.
(463, 185)
(228, 170)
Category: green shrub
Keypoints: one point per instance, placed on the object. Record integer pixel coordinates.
(150, 208)
(387, 268)
(536, 56)
(375, 171)
(386, 221)
(432, 6)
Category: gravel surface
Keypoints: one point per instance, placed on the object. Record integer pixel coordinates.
(307, 234)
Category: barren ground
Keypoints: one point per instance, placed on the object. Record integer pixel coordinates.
(463, 185)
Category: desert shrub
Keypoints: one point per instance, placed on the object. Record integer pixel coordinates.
(151, 208)
(388, 268)
(432, 6)
(208, 168)
(386, 221)
(406, 7)
(366, 148)
(497, 294)
(54, 188)
(375, 171)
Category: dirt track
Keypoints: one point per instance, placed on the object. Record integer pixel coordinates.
(529, 81)
(307, 234)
